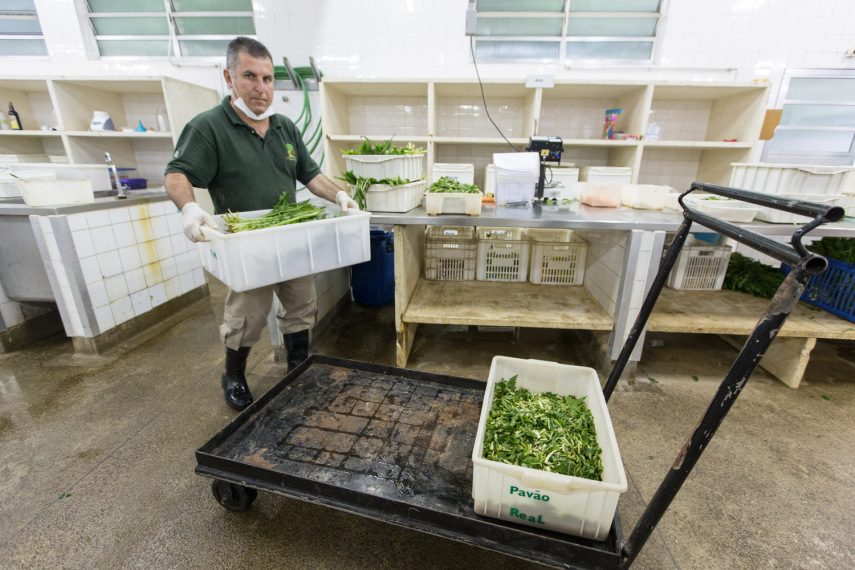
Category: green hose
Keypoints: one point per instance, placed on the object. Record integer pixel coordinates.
(304, 120)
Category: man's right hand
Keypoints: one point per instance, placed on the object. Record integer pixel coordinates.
(194, 218)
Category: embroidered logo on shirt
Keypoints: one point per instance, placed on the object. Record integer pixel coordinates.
(291, 154)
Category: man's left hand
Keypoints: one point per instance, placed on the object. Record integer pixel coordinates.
(345, 202)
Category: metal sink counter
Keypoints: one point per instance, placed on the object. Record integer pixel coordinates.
(104, 200)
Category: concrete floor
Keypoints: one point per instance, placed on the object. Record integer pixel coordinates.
(97, 455)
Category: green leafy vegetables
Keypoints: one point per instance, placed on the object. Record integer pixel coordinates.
(750, 276)
(842, 249)
(362, 185)
(283, 213)
(449, 185)
(385, 147)
(542, 431)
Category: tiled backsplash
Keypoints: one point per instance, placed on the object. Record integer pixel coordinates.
(121, 263)
(680, 120)
(669, 167)
(401, 116)
(465, 117)
(575, 118)
(604, 265)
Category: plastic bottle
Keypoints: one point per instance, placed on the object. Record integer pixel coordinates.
(14, 119)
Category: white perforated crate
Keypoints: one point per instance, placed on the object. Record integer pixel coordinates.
(502, 260)
(450, 253)
(558, 263)
(700, 268)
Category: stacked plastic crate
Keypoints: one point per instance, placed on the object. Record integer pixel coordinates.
(450, 253)
(502, 254)
(557, 257)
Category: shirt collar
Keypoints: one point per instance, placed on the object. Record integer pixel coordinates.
(275, 121)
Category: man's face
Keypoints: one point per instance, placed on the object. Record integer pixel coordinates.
(253, 82)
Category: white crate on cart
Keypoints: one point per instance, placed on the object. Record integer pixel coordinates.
(502, 254)
(450, 253)
(557, 257)
(793, 179)
(252, 259)
(380, 166)
(577, 506)
(774, 216)
(700, 268)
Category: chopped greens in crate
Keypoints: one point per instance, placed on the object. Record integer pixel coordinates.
(450, 185)
(542, 431)
(283, 213)
(384, 147)
(363, 184)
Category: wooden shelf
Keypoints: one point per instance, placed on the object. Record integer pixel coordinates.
(731, 312)
(489, 303)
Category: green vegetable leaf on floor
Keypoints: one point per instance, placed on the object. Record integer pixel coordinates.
(695, 378)
(653, 380)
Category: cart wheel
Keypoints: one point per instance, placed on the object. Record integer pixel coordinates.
(233, 497)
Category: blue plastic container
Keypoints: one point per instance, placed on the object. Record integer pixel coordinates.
(373, 282)
(832, 290)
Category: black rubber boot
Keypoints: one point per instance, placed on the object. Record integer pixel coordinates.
(234, 382)
(298, 348)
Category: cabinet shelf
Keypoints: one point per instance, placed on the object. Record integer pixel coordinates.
(29, 133)
(703, 145)
(120, 134)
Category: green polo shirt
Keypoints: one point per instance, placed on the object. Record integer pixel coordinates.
(241, 170)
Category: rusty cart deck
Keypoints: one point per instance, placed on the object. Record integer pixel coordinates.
(390, 444)
(395, 445)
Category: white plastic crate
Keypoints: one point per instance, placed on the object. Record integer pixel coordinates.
(385, 198)
(558, 263)
(793, 179)
(774, 216)
(549, 235)
(252, 259)
(464, 173)
(561, 503)
(700, 268)
(453, 203)
(450, 253)
(503, 254)
(606, 174)
(46, 192)
(380, 166)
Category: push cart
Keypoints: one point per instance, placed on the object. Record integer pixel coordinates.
(395, 445)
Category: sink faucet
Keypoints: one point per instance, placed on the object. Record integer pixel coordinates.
(114, 178)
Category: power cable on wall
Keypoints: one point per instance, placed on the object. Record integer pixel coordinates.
(483, 98)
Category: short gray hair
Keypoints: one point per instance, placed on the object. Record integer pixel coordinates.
(250, 46)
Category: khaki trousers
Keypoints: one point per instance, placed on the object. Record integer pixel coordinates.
(246, 313)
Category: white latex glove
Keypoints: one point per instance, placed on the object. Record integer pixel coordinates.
(345, 202)
(194, 218)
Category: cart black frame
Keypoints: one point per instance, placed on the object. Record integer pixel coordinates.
(236, 483)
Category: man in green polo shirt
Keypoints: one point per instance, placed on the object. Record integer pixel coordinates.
(247, 156)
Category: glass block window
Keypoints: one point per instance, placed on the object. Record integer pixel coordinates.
(571, 31)
(20, 31)
(817, 119)
(168, 28)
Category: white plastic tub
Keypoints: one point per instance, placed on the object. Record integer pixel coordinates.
(380, 166)
(570, 505)
(464, 173)
(248, 260)
(645, 196)
(600, 195)
(722, 208)
(606, 174)
(774, 216)
(453, 203)
(385, 198)
(793, 179)
(38, 192)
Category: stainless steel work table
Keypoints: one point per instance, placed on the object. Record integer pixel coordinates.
(636, 236)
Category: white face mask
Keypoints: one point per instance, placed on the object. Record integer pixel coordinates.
(240, 104)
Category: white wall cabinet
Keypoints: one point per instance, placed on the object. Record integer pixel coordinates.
(67, 105)
(702, 128)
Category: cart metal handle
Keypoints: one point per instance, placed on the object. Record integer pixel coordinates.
(804, 263)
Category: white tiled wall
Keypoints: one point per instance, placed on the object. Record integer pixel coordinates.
(603, 265)
(132, 259)
(10, 310)
(466, 117)
(575, 118)
(681, 120)
(401, 116)
(670, 167)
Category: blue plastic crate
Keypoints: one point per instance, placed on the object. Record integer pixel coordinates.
(832, 290)
(373, 282)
